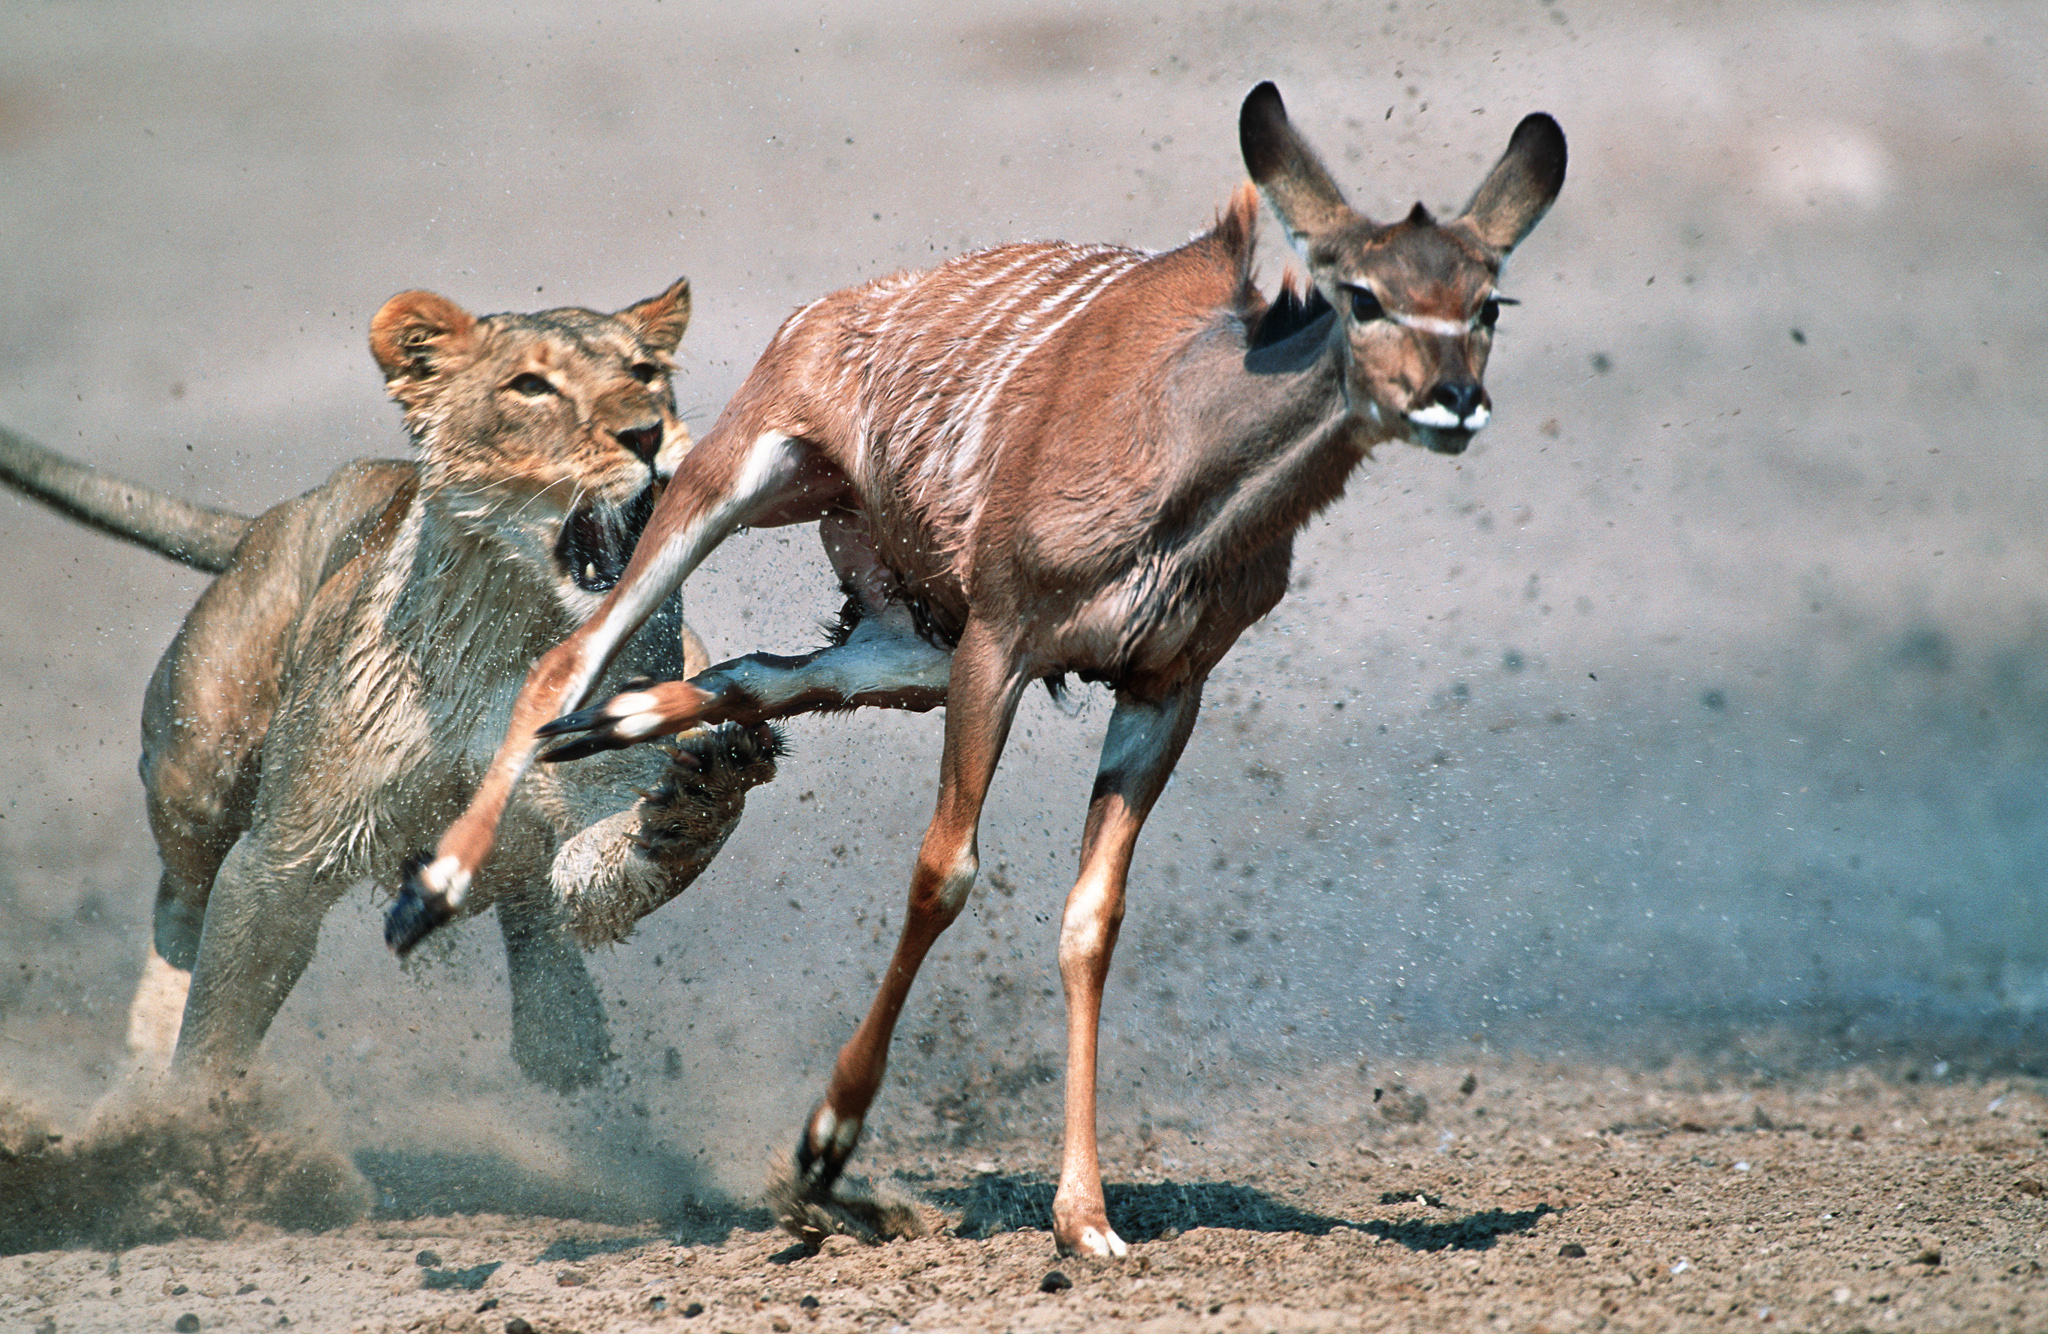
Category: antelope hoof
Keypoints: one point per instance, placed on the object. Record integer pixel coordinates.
(808, 1206)
(615, 724)
(417, 911)
(823, 1150)
(1101, 1242)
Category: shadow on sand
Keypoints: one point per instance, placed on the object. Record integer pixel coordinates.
(425, 1185)
(1001, 1203)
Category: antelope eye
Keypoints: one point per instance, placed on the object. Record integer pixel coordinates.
(1365, 307)
(1489, 311)
(646, 372)
(531, 385)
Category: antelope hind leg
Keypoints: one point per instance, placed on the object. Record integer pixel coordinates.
(883, 663)
(651, 710)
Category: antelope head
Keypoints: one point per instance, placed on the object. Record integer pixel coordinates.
(1415, 301)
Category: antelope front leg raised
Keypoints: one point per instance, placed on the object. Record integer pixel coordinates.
(717, 488)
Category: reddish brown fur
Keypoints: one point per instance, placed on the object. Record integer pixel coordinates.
(1052, 459)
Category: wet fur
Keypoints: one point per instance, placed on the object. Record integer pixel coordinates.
(329, 700)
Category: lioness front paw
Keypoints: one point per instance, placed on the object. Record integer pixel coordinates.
(703, 793)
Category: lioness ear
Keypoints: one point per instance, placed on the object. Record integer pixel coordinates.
(415, 337)
(662, 319)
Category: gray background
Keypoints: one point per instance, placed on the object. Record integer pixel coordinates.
(1702, 706)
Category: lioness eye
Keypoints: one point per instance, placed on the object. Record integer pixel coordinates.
(646, 372)
(1365, 307)
(531, 385)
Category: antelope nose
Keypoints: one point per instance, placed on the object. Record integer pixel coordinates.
(1464, 400)
(644, 442)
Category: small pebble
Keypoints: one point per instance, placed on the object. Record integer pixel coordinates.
(427, 1259)
(693, 1310)
(809, 1303)
(1571, 1250)
(488, 1304)
(245, 1289)
(1930, 1257)
(1055, 1281)
(49, 1325)
(188, 1323)
(517, 1326)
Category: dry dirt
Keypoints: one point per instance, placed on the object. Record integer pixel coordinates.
(1674, 765)
(1494, 1195)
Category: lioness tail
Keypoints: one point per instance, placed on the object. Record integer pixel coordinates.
(196, 535)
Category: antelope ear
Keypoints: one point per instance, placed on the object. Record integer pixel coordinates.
(662, 319)
(1287, 171)
(418, 336)
(1518, 191)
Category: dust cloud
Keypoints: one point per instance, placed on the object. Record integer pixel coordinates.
(1701, 708)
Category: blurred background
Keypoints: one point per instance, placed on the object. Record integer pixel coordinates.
(1701, 709)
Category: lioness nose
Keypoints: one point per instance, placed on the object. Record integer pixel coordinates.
(643, 441)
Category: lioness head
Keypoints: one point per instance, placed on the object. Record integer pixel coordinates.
(546, 432)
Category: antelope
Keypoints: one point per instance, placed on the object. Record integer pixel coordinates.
(1043, 460)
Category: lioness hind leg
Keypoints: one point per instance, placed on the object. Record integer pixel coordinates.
(262, 922)
(559, 1035)
(157, 1012)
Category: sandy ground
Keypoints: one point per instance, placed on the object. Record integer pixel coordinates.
(1496, 1195)
(1675, 763)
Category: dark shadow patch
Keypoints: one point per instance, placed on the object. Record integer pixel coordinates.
(1005, 1203)
(575, 1250)
(465, 1280)
(1293, 309)
(1473, 1232)
(431, 1185)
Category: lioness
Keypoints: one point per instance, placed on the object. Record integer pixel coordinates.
(330, 701)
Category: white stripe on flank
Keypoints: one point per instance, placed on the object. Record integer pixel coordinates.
(789, 325)
(1033, 330)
